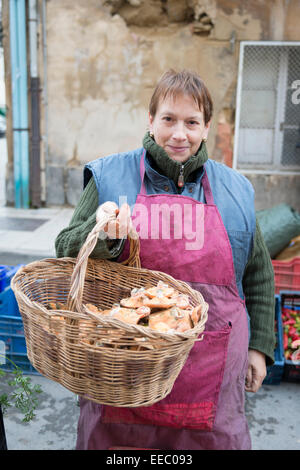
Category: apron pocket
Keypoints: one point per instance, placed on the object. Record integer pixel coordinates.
(192, 403)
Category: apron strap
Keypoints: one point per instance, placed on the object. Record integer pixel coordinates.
(206, 188)
(205, 183)
(142, 173)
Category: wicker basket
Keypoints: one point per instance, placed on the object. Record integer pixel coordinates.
(116, 371)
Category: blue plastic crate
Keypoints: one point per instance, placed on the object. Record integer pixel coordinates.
(291, 372)
(6, 274)
(22, 361)
(275, 372)
(8, 303)
(12, 334)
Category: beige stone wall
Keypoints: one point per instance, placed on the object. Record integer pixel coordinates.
(104, 59)
(105, 56)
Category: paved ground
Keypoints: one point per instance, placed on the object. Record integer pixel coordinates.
(26, 235)
(273, 416)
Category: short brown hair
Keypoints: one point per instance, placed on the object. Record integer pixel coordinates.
(174, 83)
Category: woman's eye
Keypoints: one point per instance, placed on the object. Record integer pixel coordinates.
(167, 118)
(192, 123)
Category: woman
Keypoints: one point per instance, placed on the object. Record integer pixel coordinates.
(225, 258)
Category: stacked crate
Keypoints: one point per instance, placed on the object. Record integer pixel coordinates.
(290, 307)
(285, 368)
(286, 275)
(12, 339)
(275, 372)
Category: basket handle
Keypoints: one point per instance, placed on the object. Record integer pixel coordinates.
(74, 302)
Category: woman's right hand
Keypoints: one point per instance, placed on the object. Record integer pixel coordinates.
(119, 227)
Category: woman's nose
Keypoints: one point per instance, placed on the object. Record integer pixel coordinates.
(179, 132)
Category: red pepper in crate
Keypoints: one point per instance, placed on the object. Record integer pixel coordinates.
(285, 341)
(291, 331)
(292, 321)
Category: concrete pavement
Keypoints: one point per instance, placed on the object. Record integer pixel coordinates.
(27, 235)
(273, 415)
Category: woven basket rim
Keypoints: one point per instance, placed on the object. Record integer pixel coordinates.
(106, 321)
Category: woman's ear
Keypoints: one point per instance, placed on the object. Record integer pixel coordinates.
(206, 129)
(150, 121)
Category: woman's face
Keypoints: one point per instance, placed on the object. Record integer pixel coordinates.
(178, 127)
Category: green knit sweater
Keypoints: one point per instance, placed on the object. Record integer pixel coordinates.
(258, 280)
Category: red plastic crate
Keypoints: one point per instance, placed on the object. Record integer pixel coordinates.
(287, 275)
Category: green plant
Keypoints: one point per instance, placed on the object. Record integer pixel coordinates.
(24, 395)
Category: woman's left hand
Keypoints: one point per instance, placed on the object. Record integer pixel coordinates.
(257, 370)
(121, 225)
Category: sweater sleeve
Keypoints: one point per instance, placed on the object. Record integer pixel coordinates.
(70, 239)
(258, 285)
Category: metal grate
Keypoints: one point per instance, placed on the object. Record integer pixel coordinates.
(260, 78)
(268, 113)
(291, 125)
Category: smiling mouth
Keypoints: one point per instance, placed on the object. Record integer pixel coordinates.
(177, 149)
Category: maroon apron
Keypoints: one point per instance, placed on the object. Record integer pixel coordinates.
(205, 409)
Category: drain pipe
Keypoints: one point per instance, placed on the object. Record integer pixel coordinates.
(35, 168)
(17, 14)
(44, 160)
